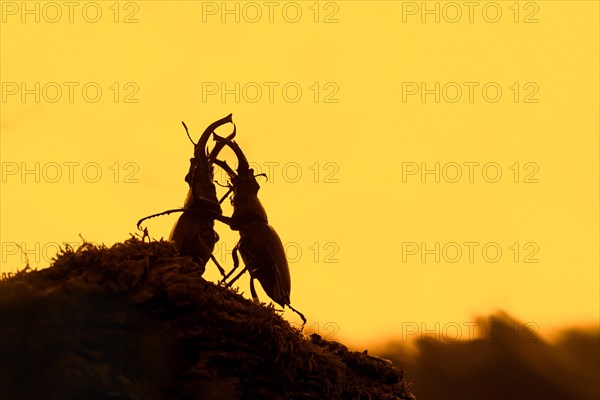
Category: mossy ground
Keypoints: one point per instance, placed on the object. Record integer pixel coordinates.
(137, 321)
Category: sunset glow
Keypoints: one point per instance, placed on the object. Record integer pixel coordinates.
(420, 173)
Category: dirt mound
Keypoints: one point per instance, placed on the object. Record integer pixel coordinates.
(137, 321)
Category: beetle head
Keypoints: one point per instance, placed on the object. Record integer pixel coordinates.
(201, 157)
(244, 182)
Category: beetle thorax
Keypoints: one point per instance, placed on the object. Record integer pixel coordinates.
(248, 208)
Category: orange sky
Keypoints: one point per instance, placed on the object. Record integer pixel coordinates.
(403, 153)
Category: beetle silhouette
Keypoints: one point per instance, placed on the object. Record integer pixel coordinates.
(193, 233)
(260, 247)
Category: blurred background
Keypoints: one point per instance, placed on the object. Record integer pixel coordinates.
(432, 166)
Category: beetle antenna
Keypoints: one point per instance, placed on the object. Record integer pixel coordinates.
(188, 133)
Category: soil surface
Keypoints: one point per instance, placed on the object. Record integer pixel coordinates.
(137, 321)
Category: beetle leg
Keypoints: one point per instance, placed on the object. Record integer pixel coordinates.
(252, 290)
(212, 257)
(220, 218)
(299, 313)
(237, 277)
(236, 262)
(221, 270)
(236, 258)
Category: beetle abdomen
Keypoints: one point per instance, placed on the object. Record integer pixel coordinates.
(264, 255)
(194, 235)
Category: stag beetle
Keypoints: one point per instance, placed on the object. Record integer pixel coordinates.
(260, 246)
(193, 233)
